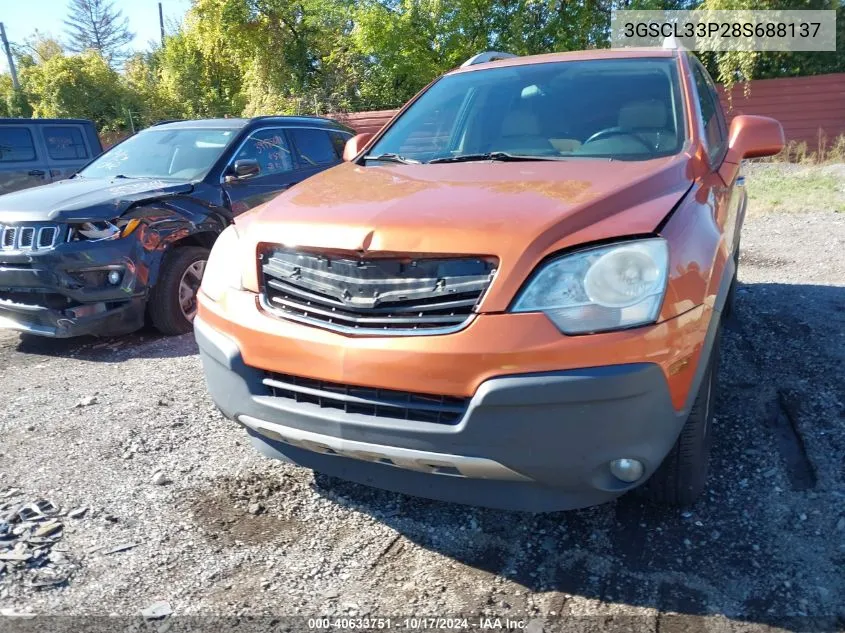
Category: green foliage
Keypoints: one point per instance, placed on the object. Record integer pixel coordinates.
(250, 57)
(13, 103)
(738, 66)
(77, 86)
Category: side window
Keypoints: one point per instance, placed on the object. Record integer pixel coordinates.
(270, 148)
(715, 129)
(314, 147)
(64, 142)
(16, 145)
(339, 141)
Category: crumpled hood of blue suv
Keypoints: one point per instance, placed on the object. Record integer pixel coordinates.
(85, 199)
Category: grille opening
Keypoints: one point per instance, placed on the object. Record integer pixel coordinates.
(367, 401)
(46, 236)
(385, 295)
(37, 298)
(9, 237)
(27, 236)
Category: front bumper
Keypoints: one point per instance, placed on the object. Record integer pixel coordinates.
(51, 293)
(538, 441)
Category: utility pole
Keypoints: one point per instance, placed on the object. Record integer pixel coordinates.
(161, 22)
(8, 50)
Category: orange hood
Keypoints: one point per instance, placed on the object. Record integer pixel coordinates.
(518, 212)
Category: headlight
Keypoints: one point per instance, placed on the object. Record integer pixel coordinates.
(599, 289)
(223, 269)
(99, 230)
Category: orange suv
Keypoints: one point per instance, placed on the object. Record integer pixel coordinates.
(510, 296)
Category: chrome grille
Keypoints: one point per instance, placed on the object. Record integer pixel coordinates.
(387, 296)
(369, 401)
(28, 237)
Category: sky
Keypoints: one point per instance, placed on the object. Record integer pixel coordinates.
(22, 17)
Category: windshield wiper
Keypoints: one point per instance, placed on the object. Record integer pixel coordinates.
(393, 158)
(497, 156)
(123, 177)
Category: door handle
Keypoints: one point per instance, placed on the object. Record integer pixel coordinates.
(37, 172)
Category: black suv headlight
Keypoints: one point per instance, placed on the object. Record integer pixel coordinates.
(99, 230)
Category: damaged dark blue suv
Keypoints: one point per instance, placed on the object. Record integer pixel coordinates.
(127, 238)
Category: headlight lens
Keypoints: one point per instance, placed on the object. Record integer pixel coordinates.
(223, 270)
(101, 230)
(600, 289)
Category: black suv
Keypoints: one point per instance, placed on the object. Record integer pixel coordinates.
(128, 236)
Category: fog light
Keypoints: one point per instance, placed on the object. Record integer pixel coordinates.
(114, 277)
(627, 470)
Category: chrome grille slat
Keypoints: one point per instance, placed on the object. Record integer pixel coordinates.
(411, 307)
(375, 296)
(386, 320)
(28, 237)
(367, 401)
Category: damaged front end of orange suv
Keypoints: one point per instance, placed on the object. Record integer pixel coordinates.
(511, 296)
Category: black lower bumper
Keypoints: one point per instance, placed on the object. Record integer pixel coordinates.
(535, 442)
(120, 318)
(65, 291)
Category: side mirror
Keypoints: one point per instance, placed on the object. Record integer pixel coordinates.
(754, 136)
(244, 168)
(355, 145)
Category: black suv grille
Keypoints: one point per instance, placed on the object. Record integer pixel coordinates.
(382, 403)
(374, 296)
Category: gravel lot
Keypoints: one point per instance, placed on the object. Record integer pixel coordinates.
(88, 423)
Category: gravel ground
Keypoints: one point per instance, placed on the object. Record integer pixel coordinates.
(225, 532)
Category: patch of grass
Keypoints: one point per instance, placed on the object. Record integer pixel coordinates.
(789, 188)
(830, 151)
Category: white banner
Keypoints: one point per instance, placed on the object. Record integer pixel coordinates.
(745, 30)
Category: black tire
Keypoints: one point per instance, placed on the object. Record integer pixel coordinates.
(682, 476)
(164, 307)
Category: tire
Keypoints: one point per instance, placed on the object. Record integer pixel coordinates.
(729, 310)
(682, 476)
(165, 305)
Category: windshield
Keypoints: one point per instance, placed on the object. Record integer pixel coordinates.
(628, 109)
(175, 154)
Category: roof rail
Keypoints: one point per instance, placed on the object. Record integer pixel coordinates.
(670, 43)
(486, 56)
(166, 121)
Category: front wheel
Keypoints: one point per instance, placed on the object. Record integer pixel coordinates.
(173, 300)
(682, 476)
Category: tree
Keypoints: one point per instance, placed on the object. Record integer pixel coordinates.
(40, 47)
(13, 103)
(731, 67)
(97, 25)
(82, 86)
(142, 77)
